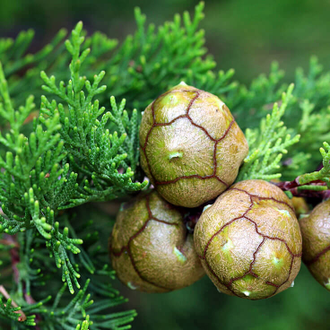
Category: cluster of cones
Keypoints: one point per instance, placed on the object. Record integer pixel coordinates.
(248, 241)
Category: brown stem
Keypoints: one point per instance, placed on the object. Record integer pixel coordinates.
(4, 292)
(9, 242)
(293, 187)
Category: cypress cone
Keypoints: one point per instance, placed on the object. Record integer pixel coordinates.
(315, 231)
(150, 247)
(249, 240)
(191, 146)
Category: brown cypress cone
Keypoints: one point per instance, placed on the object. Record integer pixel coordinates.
(150, 247)
(191, 146)
(315, 231)
(249, 240)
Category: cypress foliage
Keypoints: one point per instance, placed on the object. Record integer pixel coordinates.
(69, 119)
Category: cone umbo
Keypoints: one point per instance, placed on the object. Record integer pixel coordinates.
(315, 231)
(191, 146)
(249, 240)
(150, 247)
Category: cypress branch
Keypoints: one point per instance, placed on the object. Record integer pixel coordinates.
(64, 144)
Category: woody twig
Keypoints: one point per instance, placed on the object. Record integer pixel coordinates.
(4, 292)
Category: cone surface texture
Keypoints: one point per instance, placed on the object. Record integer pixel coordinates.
(191, 147)
(249, 240)
(315, 231)
(150, 248)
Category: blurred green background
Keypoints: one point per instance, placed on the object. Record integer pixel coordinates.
(241, 34)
